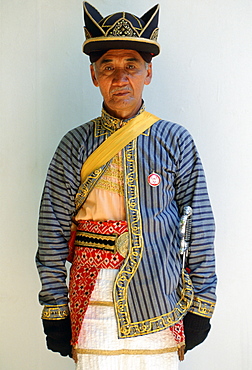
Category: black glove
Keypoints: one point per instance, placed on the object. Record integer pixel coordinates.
(196, 330)
(58, 335)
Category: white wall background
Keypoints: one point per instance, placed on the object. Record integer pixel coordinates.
(202, 79)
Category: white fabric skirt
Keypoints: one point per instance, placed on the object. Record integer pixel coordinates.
(99, 347)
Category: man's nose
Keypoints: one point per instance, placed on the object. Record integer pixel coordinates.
(120, 76)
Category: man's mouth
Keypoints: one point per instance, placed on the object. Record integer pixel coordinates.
(120, 91)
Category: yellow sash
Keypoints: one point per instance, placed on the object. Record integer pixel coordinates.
(116, 142)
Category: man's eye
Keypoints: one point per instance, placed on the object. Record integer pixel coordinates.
(108, 68)
(131, 66)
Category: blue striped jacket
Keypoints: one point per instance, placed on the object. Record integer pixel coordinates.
(149, 293)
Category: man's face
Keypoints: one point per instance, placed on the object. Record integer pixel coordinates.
(121, 76)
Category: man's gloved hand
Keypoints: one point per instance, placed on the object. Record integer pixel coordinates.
(58, 335)
(196, 329)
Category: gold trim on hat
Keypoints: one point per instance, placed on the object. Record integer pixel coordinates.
(87, 33)
(122, 38)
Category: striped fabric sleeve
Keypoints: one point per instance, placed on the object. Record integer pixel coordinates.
(191, 189)
(56, 210)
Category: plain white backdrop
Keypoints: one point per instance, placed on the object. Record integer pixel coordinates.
(202, 80)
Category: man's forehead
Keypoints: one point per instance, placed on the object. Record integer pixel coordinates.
(122, 54)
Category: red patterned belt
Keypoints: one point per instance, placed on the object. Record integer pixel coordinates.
(109, 236)
(106, 243)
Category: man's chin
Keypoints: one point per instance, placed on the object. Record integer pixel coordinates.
(121, 102)
(122, 98)
(123, 109)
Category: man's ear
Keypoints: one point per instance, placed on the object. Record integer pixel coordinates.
(93, 76)
(149, 74)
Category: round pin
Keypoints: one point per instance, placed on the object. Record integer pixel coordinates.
(154, 179)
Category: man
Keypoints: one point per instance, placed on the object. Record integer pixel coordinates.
(123, 183)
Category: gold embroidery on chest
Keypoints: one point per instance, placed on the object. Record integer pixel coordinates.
(112, 180)
(99, 129)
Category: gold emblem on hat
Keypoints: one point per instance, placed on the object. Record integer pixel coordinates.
(122, 28)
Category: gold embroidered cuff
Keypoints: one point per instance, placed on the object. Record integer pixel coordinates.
(58, 312)
(202, 307)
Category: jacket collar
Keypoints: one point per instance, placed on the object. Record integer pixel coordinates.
(112, 123)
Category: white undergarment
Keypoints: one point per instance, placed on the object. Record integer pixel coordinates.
(99, 347)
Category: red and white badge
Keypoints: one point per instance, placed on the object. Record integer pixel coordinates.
(154, 179)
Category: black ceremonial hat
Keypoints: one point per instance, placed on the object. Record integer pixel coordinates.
(120, 31)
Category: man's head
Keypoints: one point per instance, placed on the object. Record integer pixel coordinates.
(120, 47)
(121, 75)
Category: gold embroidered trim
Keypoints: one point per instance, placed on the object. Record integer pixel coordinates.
(100, 128)
(136, 243)
(111, 242)
(154, 35)
(117, 163)
(88, 185)
(87, 33)
(147, 132)
(126, 351)
(92, 240)
(202, 307)
(111, 123)
(110, 186)
(124, 38)
(112, 179)
(101, 303)
(58, 312)
(111, 237)
(108, 124)
(127, 328)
